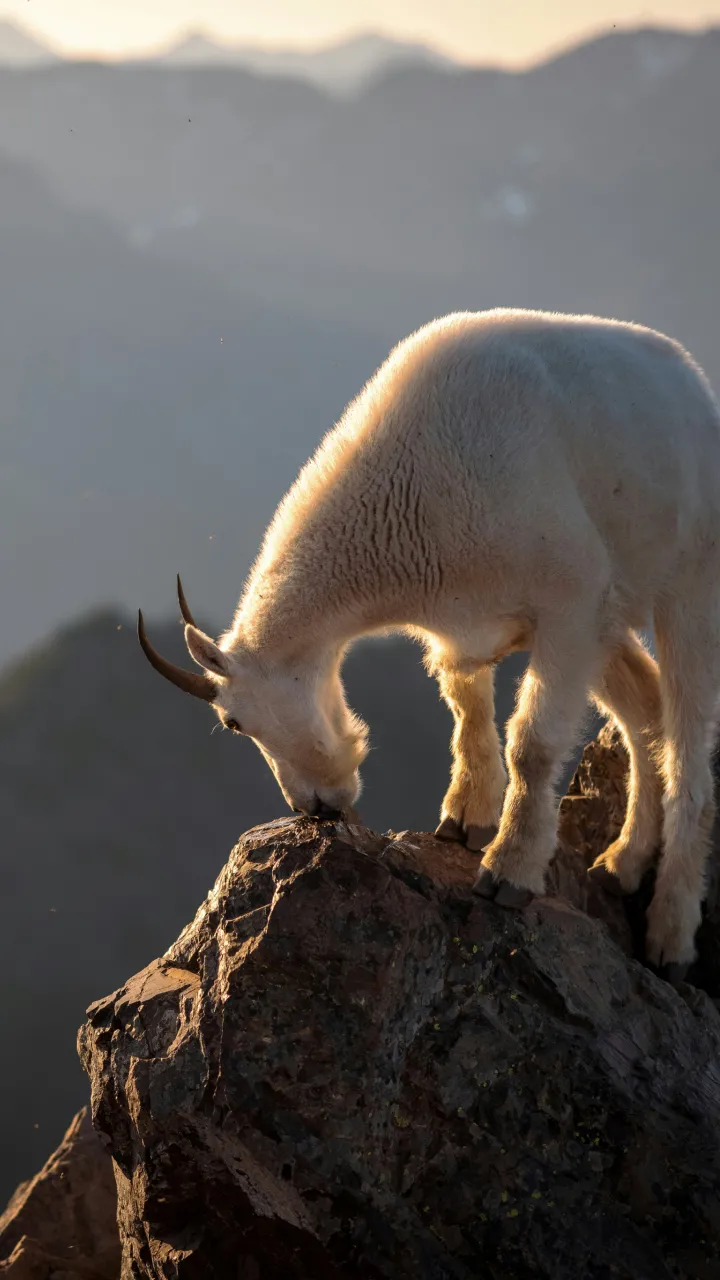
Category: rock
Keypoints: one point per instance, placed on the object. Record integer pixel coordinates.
(350, 1066)
(591, 815)
(62, 1224)
(592, 812)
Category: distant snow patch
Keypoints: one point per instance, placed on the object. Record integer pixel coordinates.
(514, 204)
(659, 58)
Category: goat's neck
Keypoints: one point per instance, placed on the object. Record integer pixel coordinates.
(287, 620)
(346, 570)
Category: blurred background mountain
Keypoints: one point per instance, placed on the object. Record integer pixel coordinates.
(203, 255)
(20, 48)
(342, 69)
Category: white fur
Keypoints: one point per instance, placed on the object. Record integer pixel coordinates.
(508, 480)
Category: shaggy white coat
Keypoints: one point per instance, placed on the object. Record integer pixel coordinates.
(507, 480)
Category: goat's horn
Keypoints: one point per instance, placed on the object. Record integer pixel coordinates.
(189, 681)
(184, 608)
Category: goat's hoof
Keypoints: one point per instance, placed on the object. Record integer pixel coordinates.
(449, 829)
(485, 884)
(673, 973)
(477, 837)
(606, 879)
(511, 895)
(474, 838)
(501, 891)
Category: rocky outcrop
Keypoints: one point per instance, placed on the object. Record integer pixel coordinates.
(350, 1066)
(591, 815)
(62, 1224)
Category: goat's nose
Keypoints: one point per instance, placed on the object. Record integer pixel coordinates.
(322, 810)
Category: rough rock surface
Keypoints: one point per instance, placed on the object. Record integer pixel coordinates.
(349, 1066)
(62, 1224)
(591, 815)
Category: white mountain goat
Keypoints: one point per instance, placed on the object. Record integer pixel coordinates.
(506, 480)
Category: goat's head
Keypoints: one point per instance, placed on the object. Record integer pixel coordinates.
(296, 713)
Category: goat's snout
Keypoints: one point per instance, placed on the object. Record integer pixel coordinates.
(322, 810)
(317, 809)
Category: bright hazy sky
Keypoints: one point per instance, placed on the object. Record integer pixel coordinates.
(476, 30)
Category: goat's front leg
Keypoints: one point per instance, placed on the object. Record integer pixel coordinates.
(541, 733)
(473, 802)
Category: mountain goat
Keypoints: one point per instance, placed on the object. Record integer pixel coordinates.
(506, 480)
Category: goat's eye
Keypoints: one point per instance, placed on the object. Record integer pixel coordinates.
(233, 724)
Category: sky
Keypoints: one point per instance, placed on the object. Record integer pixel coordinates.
(508, 31)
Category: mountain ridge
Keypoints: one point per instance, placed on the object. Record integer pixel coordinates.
(344, 67)
(21, 47)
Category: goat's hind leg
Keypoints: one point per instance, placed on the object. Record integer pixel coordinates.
(688, 643)
(553, 697)
(473, 802)
(629, 689)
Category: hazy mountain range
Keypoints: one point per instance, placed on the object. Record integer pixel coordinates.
(20, 48)
(343, 67)
(147, 416)
(200, 266)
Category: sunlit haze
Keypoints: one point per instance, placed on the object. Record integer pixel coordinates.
(471, 30)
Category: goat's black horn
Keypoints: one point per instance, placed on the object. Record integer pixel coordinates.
(189, 681)
(184, 607)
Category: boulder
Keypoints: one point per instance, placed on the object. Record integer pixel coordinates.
(349, 1066)
(62, 1224)
(591, 815)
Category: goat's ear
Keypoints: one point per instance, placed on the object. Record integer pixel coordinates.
(205, 652)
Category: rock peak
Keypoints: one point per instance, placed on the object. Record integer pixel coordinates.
(348, 1065)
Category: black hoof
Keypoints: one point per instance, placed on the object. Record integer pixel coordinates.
(673, 973)
(606, 879)
(449, 829)
(501, 891)
(477, 838)
(485, 884)
(510, 895)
